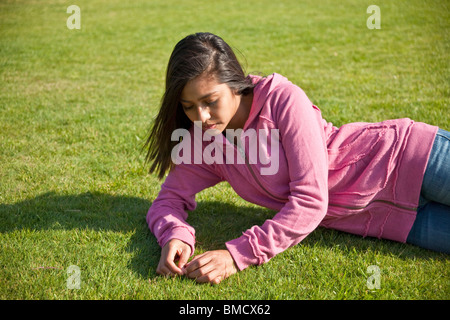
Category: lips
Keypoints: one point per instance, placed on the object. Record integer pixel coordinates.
(209, 126)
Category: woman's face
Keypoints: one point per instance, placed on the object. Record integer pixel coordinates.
(213, 103)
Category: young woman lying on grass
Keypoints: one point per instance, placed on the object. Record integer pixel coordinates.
(389, 180)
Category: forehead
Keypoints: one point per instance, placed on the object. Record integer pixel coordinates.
(203, 85)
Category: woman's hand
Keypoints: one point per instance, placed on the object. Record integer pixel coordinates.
(173, 250)
(212, 266)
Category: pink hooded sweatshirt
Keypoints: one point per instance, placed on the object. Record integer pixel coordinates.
(361, 178)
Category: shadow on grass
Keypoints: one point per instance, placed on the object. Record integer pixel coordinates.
(215, 223)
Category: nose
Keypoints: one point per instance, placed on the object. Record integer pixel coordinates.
(203, 114)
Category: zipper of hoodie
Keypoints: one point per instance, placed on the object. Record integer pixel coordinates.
(259, 183)
(249, 167)
(364, 207)
(242, 152)
(254, 175)
(329, 204)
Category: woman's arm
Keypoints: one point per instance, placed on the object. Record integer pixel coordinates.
(167, 216)
(302, 137)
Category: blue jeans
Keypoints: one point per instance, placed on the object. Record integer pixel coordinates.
(431, 229)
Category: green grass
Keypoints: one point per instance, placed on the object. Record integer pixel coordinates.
(75, 106)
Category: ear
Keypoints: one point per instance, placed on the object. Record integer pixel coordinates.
(235, 91)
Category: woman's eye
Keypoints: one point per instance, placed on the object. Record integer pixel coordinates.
(187, 108)
(212, 103)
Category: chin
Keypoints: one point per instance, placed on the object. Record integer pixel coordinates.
(213, 132)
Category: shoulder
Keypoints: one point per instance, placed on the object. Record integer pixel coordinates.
(286, 97)
(277, 98)
(277, 90)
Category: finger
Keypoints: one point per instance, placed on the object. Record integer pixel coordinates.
(217, 280)
(201, 272)
(169, 262)
(159, 269)
(172, 267)
(164, 271)
(197, 262)
(209, 277)
(184, 257)
(204, 273)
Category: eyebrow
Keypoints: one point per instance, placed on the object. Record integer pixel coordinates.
(202, 97)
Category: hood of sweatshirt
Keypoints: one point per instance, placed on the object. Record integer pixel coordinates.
(264, 86)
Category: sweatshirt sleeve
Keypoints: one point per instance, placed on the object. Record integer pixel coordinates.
(167, 215)
(303, 140)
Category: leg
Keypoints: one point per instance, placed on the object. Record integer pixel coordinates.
(436, 182)
(431, 230)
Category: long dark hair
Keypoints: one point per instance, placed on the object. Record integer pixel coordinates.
(191, 57)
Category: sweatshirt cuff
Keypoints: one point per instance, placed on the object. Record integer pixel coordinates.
(242, 253)
(180, 233)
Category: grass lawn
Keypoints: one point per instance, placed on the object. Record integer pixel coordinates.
(75, 106)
